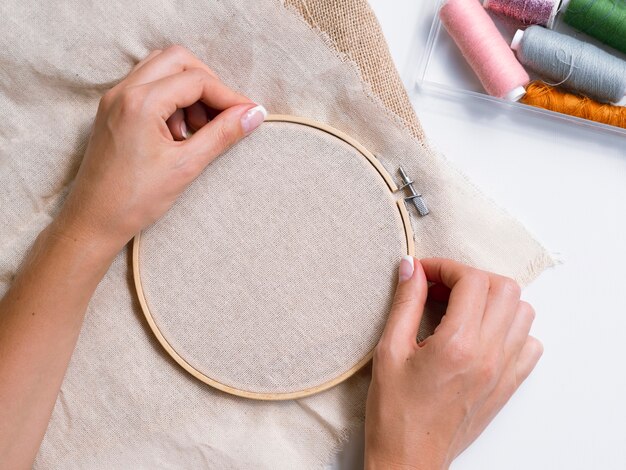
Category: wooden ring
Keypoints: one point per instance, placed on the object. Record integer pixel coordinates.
(300, 393)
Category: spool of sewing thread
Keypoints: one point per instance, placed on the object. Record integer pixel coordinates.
(577, 65)
(544, 96)
(526, 12)
(602, 19)
(484, 48)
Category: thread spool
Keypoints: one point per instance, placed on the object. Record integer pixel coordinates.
(604, 20)
(526, 12)
(578, 66)
(544, 96)
(485, 50)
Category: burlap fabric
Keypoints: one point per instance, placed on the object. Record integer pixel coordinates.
(124, 403)
(352, 29)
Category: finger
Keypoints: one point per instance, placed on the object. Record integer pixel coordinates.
(408, 305)
(520, 328)
(145, 60)
(444, 271)
(177, 126)
(528, 357)
(218, 135)
(469, 288)
(174, 59)
(502, 302)
(196, 116)
(168, 94)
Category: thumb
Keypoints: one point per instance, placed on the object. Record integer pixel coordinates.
(408, 304)
(222, 132)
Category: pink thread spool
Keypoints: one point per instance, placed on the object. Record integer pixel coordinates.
(484, 48)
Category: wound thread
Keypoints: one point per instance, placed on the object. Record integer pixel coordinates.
(526, 12)
(602, 19)
(578, 66)
(484, 48)
(544, 96)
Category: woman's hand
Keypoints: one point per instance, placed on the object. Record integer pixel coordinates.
(427, 402)
(137, 162)
(135, 166)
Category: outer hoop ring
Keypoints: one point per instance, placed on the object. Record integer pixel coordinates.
(300, 393)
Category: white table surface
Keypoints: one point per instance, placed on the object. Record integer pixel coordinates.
(567, 184)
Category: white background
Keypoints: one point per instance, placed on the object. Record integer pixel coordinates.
(567, 184)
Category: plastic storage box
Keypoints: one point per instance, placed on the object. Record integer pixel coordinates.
(438, 69)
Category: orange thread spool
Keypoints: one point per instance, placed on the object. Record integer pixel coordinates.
(544, 96)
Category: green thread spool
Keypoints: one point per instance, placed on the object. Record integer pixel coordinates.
(602, 19)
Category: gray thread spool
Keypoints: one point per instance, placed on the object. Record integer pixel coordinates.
(575, 64)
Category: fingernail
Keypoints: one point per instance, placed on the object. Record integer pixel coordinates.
(406, 268)
(253, 118)
(183, 130)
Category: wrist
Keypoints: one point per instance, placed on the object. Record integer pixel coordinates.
(98, 246)
(418, 457)
(423, 464)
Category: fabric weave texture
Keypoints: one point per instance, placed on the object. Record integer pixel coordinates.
(274, 270)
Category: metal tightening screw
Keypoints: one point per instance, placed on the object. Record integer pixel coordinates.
(415, 197)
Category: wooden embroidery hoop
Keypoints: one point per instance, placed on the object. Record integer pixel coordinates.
(308, 391)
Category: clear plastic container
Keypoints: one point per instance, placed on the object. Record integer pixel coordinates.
(439, 70)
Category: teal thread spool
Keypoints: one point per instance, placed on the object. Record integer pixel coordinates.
(602, 19)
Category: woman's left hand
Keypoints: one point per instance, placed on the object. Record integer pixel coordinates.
(138, 161)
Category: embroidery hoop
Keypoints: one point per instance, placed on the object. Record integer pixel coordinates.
(393, 188)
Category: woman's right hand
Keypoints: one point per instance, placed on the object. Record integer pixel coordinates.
(427, 402)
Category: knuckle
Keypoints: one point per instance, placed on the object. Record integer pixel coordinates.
(510, 288)
(224, 138)
(107, 99)
(178, 51)
(526, 309)
(131, 101)
(509, 387)
(199, 75)
(403, 300)
(479, 278)
(387, 352)
(381, 354)
(535, 346)
(186, 169)
(488, 370)
(459, 353)
(185, 165)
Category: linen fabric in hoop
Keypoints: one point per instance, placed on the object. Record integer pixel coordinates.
(283, 253)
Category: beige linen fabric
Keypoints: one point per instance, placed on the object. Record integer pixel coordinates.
(283, 281)
(124, 403)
